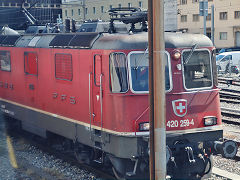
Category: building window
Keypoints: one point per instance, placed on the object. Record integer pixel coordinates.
(140, 4)
(94, 10)
(86, 11)
(183, 18)
(129, 5)
(118, 72)
(72, 12)
(223, 15)
(5, 60)
(183, 1)
(102, 9)
(209, 17)
(31, 63)
(63, 67)
(119, 5)
(223, 36)
(195, 17)
(79, 12)
(236, 14)
(66, 13)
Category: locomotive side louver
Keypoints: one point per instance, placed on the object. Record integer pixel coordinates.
(8, 40)
(80, 40)
(61, 40)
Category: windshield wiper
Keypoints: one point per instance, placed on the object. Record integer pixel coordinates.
(140, 60)
(191, 53)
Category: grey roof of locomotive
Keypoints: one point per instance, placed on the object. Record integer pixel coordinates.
(94, 40)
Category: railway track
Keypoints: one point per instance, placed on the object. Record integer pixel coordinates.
(55, 148)
(230, 96)
(231, 133)
(222, 174)
(230, 112)
(229, 81)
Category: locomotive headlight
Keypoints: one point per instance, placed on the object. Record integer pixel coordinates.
(144, 126)
(210, 120)
(176, 55)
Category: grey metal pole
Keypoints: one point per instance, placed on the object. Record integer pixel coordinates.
(213, 28)
(84, 10)
(204, 20)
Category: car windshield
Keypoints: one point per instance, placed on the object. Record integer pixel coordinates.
(197, 70)
(219, 57)
(138, 67)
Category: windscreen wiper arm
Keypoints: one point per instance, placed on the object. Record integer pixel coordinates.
(191, 53)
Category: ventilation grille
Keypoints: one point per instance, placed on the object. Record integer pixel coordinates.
(63, 64)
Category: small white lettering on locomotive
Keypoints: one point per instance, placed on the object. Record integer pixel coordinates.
(181, 123)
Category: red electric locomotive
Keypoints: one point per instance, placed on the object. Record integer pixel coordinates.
(92, 88)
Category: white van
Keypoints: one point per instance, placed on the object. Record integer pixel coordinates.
(225, 58)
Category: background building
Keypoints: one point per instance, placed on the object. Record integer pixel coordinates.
(227, 20)
(81, 10)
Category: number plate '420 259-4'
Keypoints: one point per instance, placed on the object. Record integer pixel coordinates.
(181, 123)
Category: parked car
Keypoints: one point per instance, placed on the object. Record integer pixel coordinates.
(229, 49)
(226, 59)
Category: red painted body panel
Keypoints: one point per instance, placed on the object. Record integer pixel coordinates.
(122, 112)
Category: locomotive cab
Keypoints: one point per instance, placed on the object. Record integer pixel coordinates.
(193, 118)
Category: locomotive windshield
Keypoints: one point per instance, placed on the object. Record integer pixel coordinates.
(138, 67)
(197, 69)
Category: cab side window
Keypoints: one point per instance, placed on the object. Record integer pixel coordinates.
(5, 61)
(31, 63)
(118, 73)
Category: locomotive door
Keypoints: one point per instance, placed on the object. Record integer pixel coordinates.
(31, 80)
(97, 90)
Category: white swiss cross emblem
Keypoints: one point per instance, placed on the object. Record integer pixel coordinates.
(180, 107)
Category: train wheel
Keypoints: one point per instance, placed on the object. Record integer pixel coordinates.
(118, 175)
(82, 153)
(208, 169)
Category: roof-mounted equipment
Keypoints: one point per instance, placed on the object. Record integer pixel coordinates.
(128, 15)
